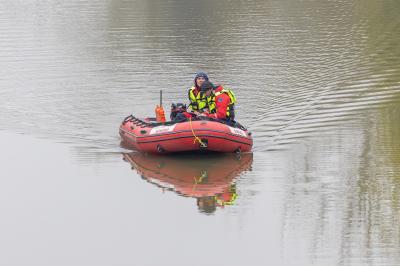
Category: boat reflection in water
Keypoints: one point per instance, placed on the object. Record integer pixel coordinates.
(210, 178)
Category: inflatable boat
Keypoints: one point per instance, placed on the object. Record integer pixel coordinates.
(194, 135)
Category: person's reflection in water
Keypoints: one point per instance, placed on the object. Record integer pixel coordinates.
(207, 204)
(227, 197)
(210, 203)
(209, 178)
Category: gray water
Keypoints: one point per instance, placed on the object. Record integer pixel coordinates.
(317, 82)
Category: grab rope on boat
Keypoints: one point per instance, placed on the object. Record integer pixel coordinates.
(152, 122)
(202, 144)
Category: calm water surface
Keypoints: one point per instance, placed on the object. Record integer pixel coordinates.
(317, 82)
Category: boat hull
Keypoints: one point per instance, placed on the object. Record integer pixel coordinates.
(201, 135)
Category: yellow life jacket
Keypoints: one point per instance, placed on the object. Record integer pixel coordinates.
(230, 110)
(197, 102)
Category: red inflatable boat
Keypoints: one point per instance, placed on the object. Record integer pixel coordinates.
(206, 135)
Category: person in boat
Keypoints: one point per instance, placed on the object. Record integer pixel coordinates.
(219, 101)
(198, 102)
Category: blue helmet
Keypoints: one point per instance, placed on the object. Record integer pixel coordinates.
(201, 74)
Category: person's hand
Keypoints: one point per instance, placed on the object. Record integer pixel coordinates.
(202, 115)
(197, 113)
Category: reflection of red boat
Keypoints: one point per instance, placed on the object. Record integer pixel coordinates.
(185, 136)
(207, 177)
